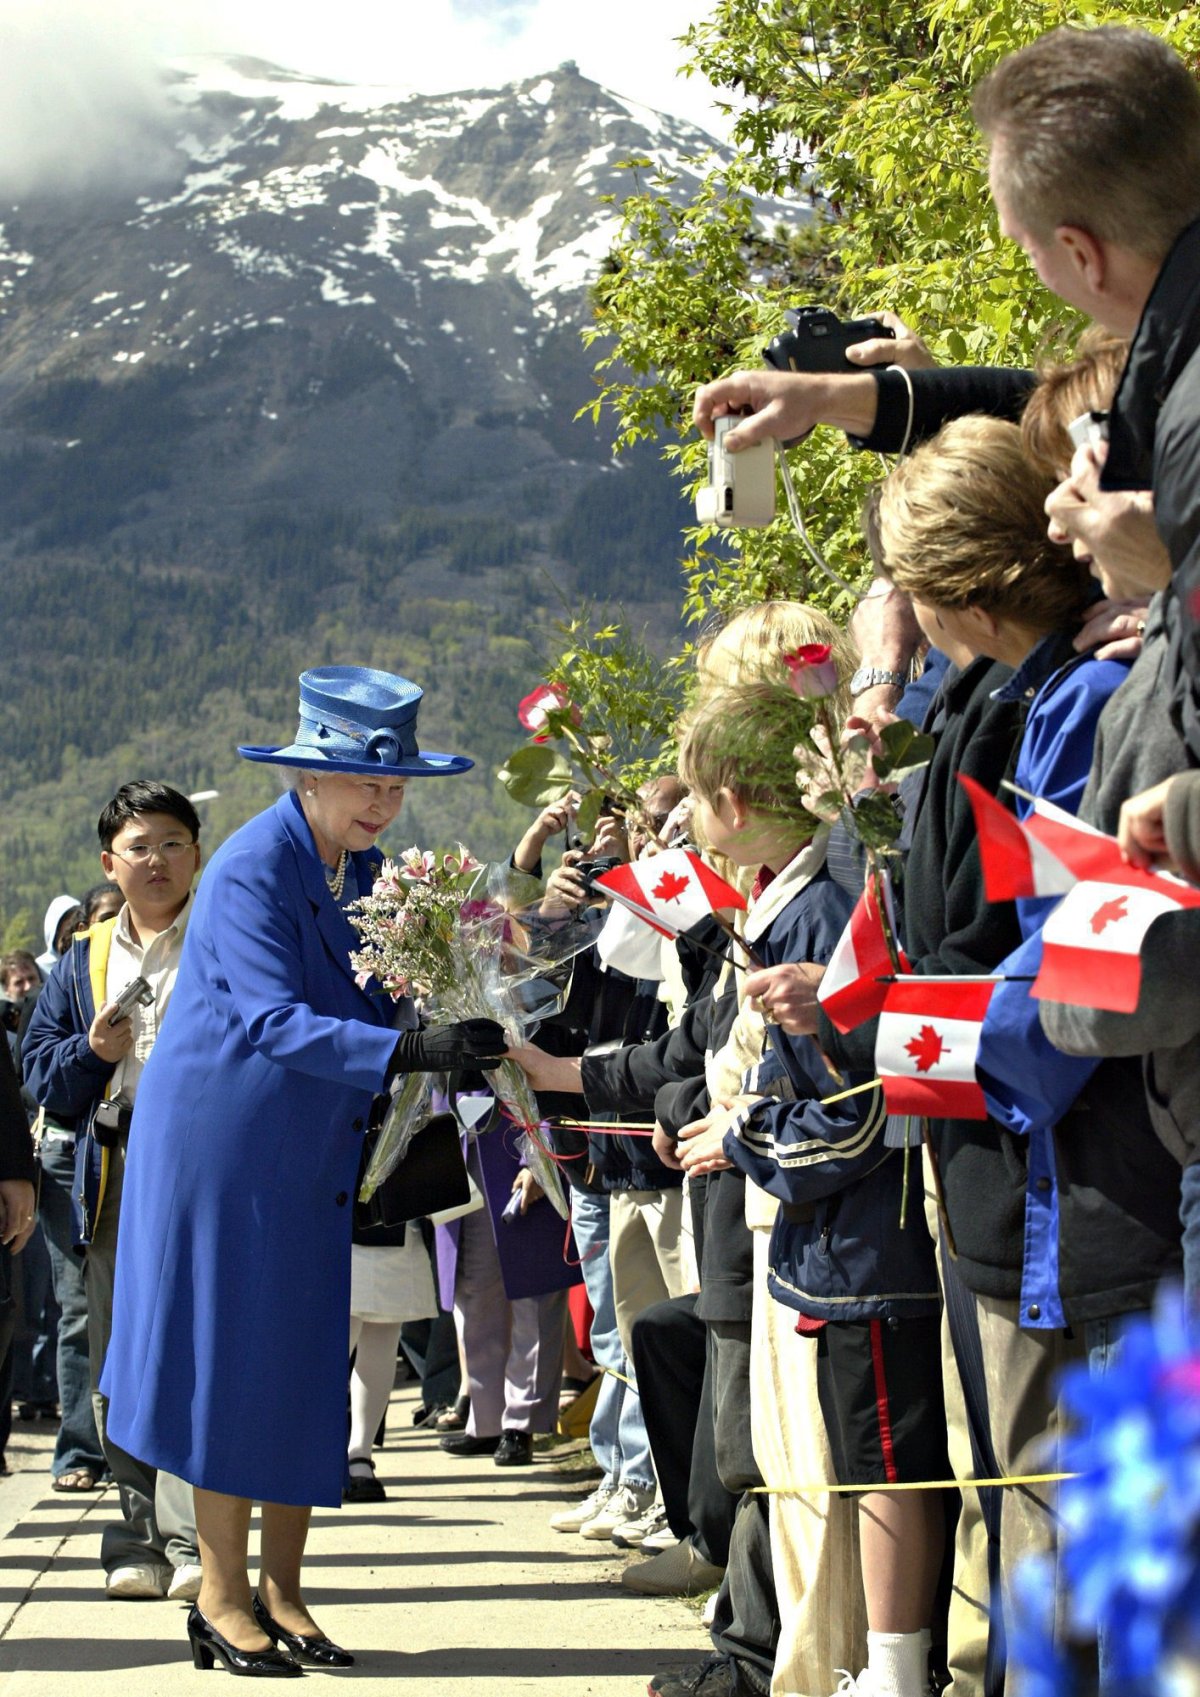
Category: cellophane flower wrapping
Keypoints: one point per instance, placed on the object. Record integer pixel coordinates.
(465, 941)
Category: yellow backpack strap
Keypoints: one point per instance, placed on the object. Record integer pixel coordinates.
(100, 946)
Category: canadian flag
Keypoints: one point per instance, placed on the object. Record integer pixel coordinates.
(1091, 943)
(671, 891)
(850, 991)
(1045, 854)
(926, 1046)
(1092, 940)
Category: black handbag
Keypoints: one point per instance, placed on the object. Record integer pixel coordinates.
(432, 1176)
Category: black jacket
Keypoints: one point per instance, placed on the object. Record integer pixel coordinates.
(948, 926)
(1154, 443)
(606, 1008)
(940, 393)
(668, 1079)
(16, 1146)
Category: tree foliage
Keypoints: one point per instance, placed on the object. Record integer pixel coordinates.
(862, 111)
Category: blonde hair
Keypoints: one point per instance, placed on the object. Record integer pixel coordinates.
(962, 524)
(1085, 384)
(751, 646)
(744, 739)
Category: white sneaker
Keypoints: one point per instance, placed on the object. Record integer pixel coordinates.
(623, 1505)
(572, 1519)
(863, 1686)
(185, 1585)
(138, 1579)
(650, 1521)
(659, 1540)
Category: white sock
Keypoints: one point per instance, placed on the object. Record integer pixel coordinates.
(898, 1663)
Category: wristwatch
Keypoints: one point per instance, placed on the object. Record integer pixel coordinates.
(870, 677)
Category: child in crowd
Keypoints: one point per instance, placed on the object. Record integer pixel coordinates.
(865, 1289)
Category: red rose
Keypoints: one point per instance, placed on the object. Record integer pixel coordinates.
(539, 704)
(812, 670)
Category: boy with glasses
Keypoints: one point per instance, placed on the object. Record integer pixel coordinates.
(83, 1056)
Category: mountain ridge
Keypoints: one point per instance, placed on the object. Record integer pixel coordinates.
(314, 399)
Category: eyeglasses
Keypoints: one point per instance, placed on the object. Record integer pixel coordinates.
(140, 854)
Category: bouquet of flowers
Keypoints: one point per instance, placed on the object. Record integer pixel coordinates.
(464, 941)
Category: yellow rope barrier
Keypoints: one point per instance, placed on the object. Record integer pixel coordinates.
(914, 1485)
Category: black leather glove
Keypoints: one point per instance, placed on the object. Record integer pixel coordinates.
(475, 1043)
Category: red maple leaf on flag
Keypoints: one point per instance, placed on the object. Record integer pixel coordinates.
(1108, 913)
(927, 1048)
(669, 886)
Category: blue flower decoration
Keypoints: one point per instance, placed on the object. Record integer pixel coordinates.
(1131, 1522)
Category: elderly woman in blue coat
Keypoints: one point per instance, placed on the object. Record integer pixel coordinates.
(227, 1364)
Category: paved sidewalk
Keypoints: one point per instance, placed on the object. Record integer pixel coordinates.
(455, 1586)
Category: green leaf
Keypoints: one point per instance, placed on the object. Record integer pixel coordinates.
(535, 776)
(905, 750)
(588, 814)
(876, 820)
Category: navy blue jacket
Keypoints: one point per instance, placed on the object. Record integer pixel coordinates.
(838, 1251)
(62, 1071)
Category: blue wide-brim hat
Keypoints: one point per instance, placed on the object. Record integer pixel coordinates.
(354, 719)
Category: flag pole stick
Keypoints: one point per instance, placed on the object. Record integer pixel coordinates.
(893, 949)
(855, 1090)
(656, 920)
(957, 978)
(755, 964)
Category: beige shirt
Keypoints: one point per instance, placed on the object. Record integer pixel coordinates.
(158, 964)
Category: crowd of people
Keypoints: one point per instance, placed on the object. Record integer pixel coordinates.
(787, 1288)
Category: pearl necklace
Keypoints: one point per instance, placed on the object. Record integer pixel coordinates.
(337, 878)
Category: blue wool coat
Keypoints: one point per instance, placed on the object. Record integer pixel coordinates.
(230, 1338)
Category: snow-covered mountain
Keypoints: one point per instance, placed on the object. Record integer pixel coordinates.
(315, 396)
(349, 277)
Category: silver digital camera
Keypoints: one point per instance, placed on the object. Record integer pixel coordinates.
(137, 993)
(740, 492)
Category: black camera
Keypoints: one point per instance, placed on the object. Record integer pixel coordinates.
(110, 1122)
(817, 340)
(10, 1014)
(590, 870)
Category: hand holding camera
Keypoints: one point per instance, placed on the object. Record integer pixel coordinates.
(110, 1035)
(811, 379)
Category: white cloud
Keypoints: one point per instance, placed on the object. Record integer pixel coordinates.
(81, 103)
(438, 45)
(81, 100)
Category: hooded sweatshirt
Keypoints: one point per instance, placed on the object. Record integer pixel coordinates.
(60, 906)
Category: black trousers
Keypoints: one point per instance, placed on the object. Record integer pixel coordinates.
(671, 1361)
(746, 1623)
(8, 1327)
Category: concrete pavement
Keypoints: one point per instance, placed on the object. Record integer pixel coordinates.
(456, 1585)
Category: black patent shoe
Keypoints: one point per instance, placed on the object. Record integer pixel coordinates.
(515, 1449)
(363, 1487)
(318, 1651)
(208, 1646)
(458, 1443)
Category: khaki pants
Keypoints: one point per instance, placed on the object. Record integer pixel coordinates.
(814, 1539)
(645, 1250)
(158, 1523)
(1020, 1369)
